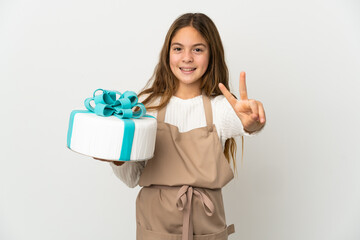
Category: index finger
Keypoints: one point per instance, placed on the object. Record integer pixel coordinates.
(242, 87)
(231, 99)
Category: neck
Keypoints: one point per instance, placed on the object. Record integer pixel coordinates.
(187, 92)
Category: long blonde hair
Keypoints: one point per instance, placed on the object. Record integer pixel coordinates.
(164, 83)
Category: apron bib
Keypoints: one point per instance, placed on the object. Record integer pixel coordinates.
(181, 198)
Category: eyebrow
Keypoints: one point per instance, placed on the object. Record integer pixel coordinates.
(195, 45)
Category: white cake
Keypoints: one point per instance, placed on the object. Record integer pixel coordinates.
(102, 137)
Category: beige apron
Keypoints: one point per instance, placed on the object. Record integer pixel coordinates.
(181, 197)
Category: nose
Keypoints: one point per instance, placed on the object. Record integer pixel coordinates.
(187, 58)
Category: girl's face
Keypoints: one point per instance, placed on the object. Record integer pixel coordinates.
(189, 56)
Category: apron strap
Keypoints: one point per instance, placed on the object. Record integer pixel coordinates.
(208, 110)
(161, 114)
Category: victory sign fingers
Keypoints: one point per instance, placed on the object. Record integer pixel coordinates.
(251, 112)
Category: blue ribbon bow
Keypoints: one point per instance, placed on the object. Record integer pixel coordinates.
(107, 104)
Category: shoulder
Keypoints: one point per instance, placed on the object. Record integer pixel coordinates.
(222, 110)
(220, 103)
(153, 102)
(143, 97)
(217, 99)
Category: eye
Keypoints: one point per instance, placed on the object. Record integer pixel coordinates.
(198, 50)
(177, 49)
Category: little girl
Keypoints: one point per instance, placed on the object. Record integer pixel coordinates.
(198, 119)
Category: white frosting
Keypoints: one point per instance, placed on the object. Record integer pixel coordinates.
(102, 137)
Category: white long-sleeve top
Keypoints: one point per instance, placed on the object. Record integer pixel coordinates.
(188, 114)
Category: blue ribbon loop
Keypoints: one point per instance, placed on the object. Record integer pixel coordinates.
(107, 104)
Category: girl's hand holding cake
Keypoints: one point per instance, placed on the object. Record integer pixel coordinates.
(117, 163)
(250, 111)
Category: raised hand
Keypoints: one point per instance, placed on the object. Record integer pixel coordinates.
(250, 111)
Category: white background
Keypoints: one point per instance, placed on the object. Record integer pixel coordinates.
(300, 178)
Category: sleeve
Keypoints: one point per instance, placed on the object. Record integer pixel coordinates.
(231, 123)
(129, 172)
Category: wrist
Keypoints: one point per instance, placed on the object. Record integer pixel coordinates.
(247, 131)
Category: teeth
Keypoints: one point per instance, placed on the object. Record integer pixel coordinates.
(188, 69)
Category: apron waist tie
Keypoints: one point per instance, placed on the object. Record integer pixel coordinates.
(184, 198)
(183, 203)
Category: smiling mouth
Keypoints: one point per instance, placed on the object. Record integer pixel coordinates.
(187, 69)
